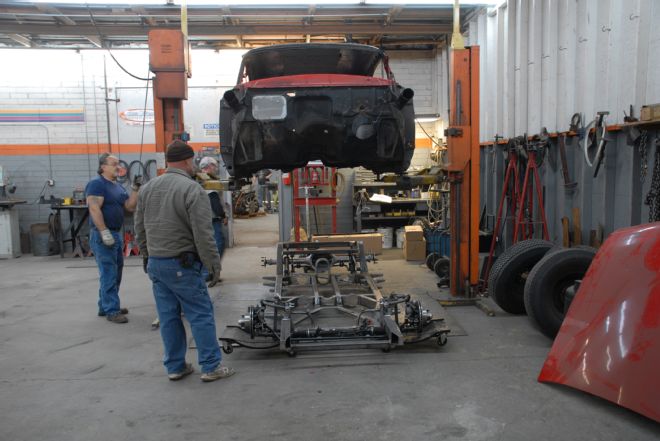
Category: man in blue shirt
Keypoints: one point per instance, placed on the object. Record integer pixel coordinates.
(107, 200)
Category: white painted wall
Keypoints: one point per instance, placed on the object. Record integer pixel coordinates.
(68, 79)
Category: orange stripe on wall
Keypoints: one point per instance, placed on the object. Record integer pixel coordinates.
(423, 143)
(93, 149)
(85, 149)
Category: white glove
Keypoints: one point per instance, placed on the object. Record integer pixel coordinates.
(106, 237)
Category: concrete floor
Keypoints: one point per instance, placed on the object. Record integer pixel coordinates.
(69, 375)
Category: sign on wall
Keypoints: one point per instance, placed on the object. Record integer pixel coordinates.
(135, 117)
(211, 129)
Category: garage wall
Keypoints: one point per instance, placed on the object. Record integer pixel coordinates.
(51, 81)
(544, 60)
(423, 72)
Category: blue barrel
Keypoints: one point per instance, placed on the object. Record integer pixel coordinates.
(437, 241)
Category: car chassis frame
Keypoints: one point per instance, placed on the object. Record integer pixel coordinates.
(324, 297)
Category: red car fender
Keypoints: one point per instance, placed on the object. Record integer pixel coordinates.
(609, 342)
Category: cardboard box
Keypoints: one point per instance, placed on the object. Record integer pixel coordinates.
(414, 249)
(414, 233)
(650, 112)
(373, 242)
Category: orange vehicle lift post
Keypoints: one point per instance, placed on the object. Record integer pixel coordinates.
(463, 169)
(169, 59)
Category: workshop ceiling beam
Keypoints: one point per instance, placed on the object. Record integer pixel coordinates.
(21, 40)
(388, 26)
(210, 30)
(76, 11)
(229, 16)
(96, 41)
(57, 15)
(310, 15)
(391, 14)
(144, 15)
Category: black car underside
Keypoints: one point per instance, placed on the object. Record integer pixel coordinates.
(343, 126)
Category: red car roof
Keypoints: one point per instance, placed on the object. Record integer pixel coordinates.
(316, 80)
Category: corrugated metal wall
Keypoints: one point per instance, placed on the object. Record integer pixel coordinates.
(544, 60)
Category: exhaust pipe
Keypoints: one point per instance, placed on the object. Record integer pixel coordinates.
(405, 96)
(231, 100)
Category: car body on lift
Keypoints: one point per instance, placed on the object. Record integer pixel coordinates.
(295, 103)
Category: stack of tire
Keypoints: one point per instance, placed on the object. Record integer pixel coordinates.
(440, 266)
(538, 278)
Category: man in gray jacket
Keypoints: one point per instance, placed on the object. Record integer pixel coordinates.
(175, 236)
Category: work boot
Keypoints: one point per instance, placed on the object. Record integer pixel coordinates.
(117, 318)
(187, 370)
(121, 311)
(219, 372)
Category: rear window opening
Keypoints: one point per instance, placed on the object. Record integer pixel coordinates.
(301, 59)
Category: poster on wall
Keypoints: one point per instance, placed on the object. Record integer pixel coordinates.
(136, 117)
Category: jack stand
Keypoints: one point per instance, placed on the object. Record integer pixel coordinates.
(527, 195)
(510, 192)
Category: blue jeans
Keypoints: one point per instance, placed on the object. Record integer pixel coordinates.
(219, 243)
(110, 261)
(219, 237)
(178, 289)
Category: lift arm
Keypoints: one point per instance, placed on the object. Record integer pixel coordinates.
(169, 59)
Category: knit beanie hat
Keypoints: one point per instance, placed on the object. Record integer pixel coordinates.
(178, 151)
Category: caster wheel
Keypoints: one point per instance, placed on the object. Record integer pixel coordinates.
(441, 267)
(228, 349)
(442, 339)
(386, 349)
(291, 353)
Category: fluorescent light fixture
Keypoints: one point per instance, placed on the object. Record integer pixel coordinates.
(269, 2)
(205, 2)
(434, 2)
(237, 3)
